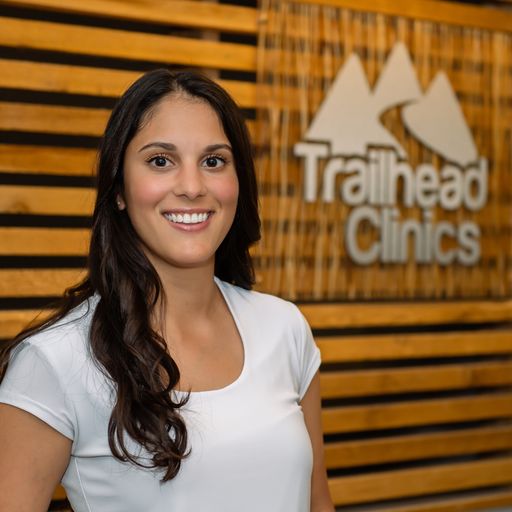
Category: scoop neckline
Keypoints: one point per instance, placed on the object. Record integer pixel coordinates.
(221, 287)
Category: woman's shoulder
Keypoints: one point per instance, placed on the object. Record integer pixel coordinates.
(65, 339)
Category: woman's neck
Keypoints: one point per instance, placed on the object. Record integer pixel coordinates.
(190, 295)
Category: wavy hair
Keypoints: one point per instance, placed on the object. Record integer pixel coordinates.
(122, 341)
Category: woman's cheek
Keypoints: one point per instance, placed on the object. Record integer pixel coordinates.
(144, 192)
(228, 191)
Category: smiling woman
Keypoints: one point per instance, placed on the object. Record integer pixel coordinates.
(163, 382)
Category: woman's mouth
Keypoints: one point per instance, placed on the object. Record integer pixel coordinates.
(187, 218)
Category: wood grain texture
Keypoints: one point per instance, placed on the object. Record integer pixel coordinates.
(18, 199)
(246, 20)
(44, 241)
(50, 36)
(53, 119)
(381, 347)
(418, 481)
(414, 413)
(451, 13)
(386, 381)
(13, 321)
(482, 500)
(28, 282)
(193, 14)
(20, 158)
(401, 448)
(342, 315)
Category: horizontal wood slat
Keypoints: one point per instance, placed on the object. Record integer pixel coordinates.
(17, 199)
(415, 346)
(44, 241)
(53, 119)
(407, 380)
(62, 78)
(332, 316)
(443, 12)
(418, 481)
(13, 321)
(50, 36)
(16, 158)
(414, 413)
(229, 18)
(245, 20)
(417, 446)
(90, 122)
(469, 500)
(37, 282)
(49, 77)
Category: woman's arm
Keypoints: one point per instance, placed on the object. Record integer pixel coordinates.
(311, 407)
(33, 458)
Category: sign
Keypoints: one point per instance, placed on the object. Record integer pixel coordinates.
(347, 139)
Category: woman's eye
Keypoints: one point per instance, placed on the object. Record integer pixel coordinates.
(159, 161)
(213, 161)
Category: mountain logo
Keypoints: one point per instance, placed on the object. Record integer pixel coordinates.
(347, 135)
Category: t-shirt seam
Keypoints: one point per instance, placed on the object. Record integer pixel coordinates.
(75, 460)
(297, 343)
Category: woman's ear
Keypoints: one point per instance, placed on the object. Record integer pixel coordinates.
(121, 205)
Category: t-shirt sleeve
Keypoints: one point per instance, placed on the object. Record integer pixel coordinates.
(309, 356)
(33, 385)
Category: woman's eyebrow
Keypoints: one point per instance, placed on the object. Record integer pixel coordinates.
(163, 145)
(216, 147)
(171, 147)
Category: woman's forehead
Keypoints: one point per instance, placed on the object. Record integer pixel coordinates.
(178, 119)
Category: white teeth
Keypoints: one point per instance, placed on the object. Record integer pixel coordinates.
(187, 218)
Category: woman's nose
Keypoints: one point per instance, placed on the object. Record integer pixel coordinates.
(190, 182)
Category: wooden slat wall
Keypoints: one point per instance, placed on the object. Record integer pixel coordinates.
(417, 406)
(416, 421)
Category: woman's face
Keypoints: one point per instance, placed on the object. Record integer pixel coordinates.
(180, 183)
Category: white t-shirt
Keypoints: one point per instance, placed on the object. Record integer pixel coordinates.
(250, 448)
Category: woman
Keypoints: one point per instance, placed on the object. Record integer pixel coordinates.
(163, 383)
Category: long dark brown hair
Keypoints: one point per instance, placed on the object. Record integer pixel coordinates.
(122, 342)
